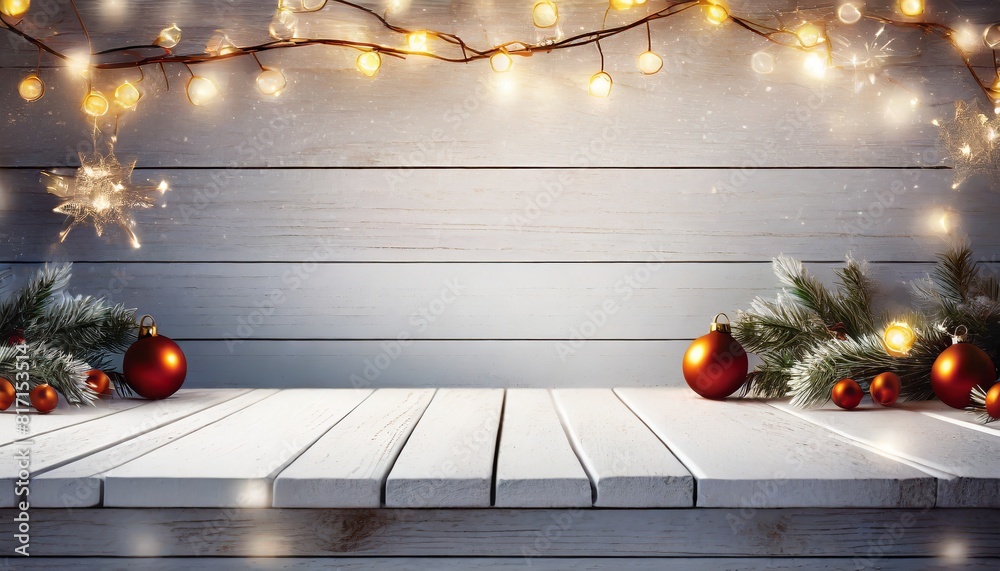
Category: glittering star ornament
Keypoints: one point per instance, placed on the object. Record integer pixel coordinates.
(100, 193)
(972, 142)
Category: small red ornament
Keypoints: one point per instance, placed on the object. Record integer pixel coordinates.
(44, 398)
(993, 401)
(154, 366)
(7, 393)
(846, 394)
(959, 368)
(715, 365)
(99, 382)
(885, 388)
(16, 338)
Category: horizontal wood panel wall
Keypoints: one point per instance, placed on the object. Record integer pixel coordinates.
(444, 226)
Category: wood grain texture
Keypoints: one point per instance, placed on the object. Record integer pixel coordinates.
(233, 462)
(516, 215)
(526, 534)
(536, 465)
(80, 484)
(347, 466)
(967, 461)
(747, 454)
(448, 460)
(627, 465)
(63, 416)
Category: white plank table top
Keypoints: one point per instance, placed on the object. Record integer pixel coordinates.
(233, 462)
(64, 415)
(347, 467)
(939, 410)
(448, 460)
(745, 453)
(628, 465)
(79, 484)
(966, 461)
(536, 465)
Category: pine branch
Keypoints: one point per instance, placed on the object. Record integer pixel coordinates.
(85, 326)
(30, 302)
(855, 306)
(64, 372)
(775, 325)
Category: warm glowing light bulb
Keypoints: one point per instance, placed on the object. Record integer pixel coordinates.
(271, 82)
(283, 26)
(815, 65)
(848, 13)
(169, 37)
(220, 44)
(622, 4)
(716, 11)
(991, 36)
(600, 84)
(809, 35)
(417, 41)
(31, 88)
(201, 90)
(762, 63)
(501, 61)
(369, 63)
(301, 5)
(898, 339)
(15, 8)
(95, 104)
(911, 7)
(545, 14)
(127, 95)
(650, 63)
(639, 2)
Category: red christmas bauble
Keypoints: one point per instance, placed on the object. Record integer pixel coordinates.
(154, 366)
(846, 394)
(44, 398)
(959, 368)
(715, 365)
(7, 393)
(99, 382)
(993, 401)
(885, 388)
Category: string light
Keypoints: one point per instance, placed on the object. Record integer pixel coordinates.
(95, 104)
(809, 35)
(15, 8)
(848, 13)
(716, 11)
(201, 90)
(815, 65)
(301, 5)
(898, 339)
(911, 7)
(283, 26)
(600, 84)
(271, 81)
(31, 88)
(545, 14)
(762, 63)
(417, 41)
(622, 4)
(369, 63)
(991, 36)
(650, 63)
(169, 37)
(501, 61)
(127, 95)
(220, 44)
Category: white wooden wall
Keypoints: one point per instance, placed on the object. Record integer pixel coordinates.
(444, 226)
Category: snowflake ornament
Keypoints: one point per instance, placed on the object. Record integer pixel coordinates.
(972, 139)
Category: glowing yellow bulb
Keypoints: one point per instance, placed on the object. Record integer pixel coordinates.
(283, 26)
(545, 14)
(127, 95)
(848, 13)
(911, 7)
(369, 63)
(815, 65)
(271, 82)
(809, 35)
(31, 88)
(640, 2)
(622, 4)
(501, 61)
(716, 11)
(417, 41)
(169, 37)
(220, 44)
(95, 104)
(650, 63)
(898, 339)
(600, 84)
(15, 8)
(201, 90)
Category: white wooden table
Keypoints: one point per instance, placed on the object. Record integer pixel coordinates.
(378, 473)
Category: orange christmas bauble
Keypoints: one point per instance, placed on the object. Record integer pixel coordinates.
(959, 368)
(885, 388)
(99, 382)
(846, 394)
(715, 365)
(993, 401)
(154, 366)
(7, 393)
(44, 398)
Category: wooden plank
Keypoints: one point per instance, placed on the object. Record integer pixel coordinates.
(65, 415)
(347, 467)
(448, 460)
(536, 466)
(232, 462)
(746, 454)
(519, 214)
(627, 464)
(75, 442)
(966, 462)
(873, 536)
(939, 410)
(80, 484)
